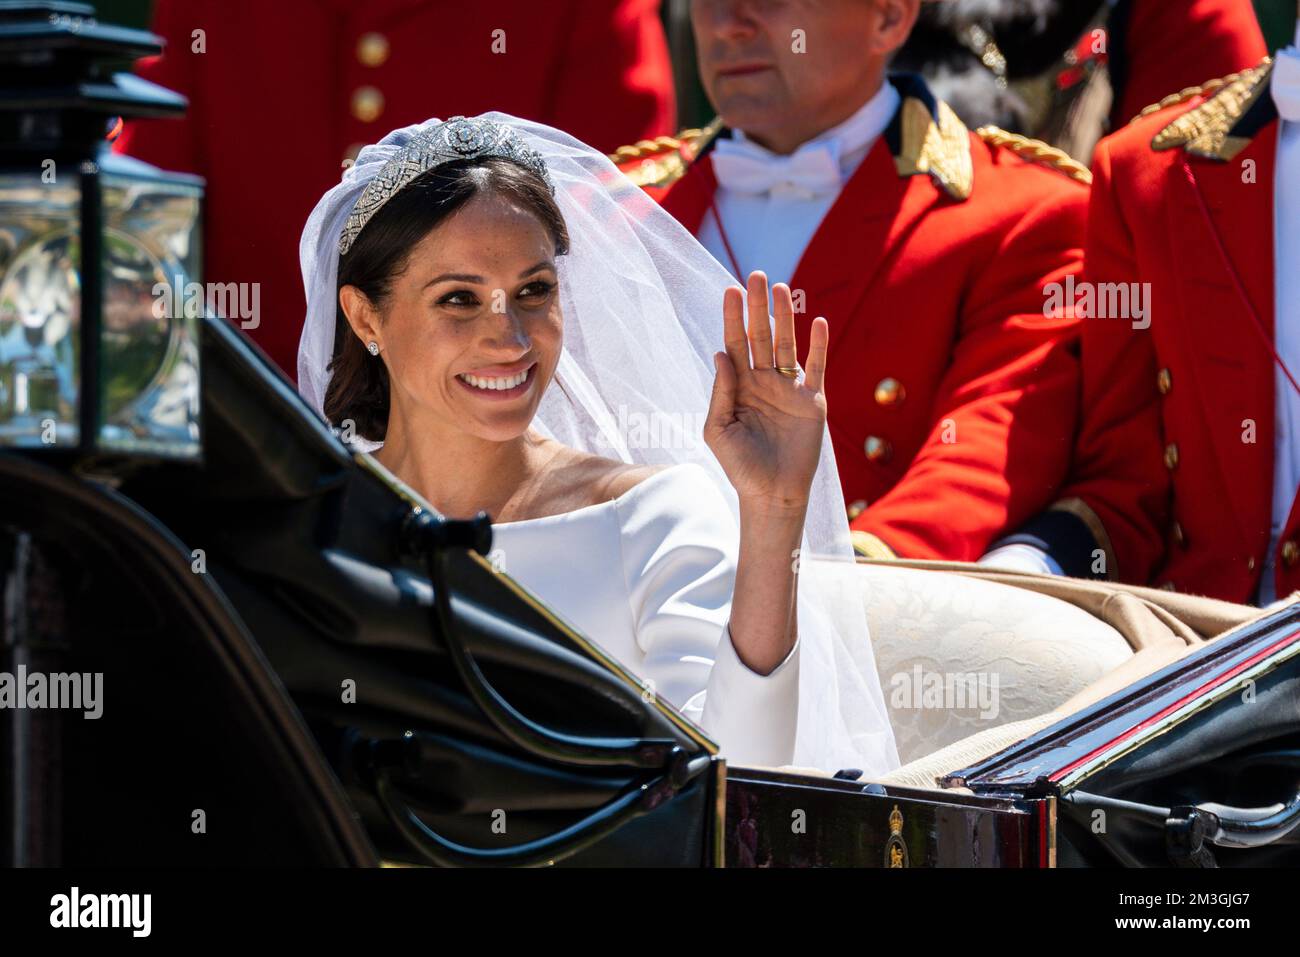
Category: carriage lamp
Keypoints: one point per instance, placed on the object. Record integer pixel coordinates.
(99, 348)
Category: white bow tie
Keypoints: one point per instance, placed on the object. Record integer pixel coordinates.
(1285, 84)
(747, 168)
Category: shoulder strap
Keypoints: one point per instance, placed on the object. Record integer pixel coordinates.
(665, 159)
(1036, 151)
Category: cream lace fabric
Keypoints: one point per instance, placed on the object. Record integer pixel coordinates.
(957, 655)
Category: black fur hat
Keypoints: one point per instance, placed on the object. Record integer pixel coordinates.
(1029, 36)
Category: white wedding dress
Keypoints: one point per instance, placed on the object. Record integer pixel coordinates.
(648, 576)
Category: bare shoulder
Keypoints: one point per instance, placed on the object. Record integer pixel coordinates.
(612, 479)
(578, 479)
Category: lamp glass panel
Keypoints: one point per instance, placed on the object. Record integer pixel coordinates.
(40, 309)
(152, 305)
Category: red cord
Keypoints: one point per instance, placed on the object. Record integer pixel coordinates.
(726, 243)
(1236, 280)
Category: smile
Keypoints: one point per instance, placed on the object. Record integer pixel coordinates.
(499, 387)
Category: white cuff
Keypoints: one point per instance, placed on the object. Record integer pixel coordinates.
(1021, 557)
(752, 717)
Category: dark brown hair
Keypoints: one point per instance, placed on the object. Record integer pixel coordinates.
(358, 386)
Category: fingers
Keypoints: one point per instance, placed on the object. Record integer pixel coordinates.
(760, 323)
(815, 370)
(755, 344)
(733, 328)
(787, 355)
(722, 403)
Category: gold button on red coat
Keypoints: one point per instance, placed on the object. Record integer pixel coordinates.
(856, 508)
(889, 391)
(877, 449)
(1290, 552)
(1171, 456)
(372, 49)
(1164, 381)
(367, 104)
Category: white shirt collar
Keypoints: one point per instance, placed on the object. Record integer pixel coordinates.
(851, 139)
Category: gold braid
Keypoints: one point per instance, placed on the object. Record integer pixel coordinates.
(1037, 151)
(660, 144)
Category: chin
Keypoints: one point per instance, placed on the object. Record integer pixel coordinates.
(498, 416)
(754, 115)
(499, 431)
(498, 425)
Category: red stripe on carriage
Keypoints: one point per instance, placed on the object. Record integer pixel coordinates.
(1160, 716)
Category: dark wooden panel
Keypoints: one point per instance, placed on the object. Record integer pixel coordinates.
(777, 820)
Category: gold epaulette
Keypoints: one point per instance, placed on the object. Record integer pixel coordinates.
(664, 159)
(1036, 151)
(935, 143)
(1205, 89)
(1211, 129)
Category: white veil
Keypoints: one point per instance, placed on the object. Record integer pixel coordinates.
(642, 306)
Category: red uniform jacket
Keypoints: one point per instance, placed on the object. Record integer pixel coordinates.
(1159, 47)
(1175, 455)
(283, 92)
(952, 399)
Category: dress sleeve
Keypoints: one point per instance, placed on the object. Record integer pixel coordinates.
(679, 542)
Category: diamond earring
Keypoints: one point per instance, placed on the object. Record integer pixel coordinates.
(373, 347)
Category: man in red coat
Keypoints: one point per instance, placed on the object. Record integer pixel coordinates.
(282, 94)
(1188, 459)
(927, 248)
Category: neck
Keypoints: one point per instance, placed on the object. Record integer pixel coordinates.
(787, 139)
(458, 473)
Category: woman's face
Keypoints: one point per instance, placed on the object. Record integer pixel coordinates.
(471, 331)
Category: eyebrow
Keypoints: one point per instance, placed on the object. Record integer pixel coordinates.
(466, 277)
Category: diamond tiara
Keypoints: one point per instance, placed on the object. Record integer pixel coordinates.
(458, 138)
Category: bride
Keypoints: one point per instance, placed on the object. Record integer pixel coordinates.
(515, 328)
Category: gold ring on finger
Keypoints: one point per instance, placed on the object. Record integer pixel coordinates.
(790, 372)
